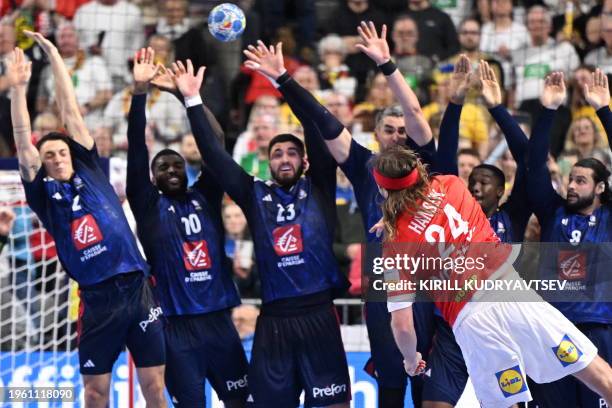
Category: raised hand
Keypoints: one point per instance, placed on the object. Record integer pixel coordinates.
(460, 80)
(553, 94)
(374, 46)
(268, 61)
(186, 81)
(7, 217)
(144, 67)
(18, 69)
(490, 89)
(415, 367)
(596, 91)
(47, 46)
(163, 80)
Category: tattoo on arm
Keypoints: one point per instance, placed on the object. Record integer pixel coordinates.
(28, 171)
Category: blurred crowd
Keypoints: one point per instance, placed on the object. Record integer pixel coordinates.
(523, 40)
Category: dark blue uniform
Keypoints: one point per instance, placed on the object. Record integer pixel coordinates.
(593, 318)
(297, 342)
(97, 249)
(183, 238)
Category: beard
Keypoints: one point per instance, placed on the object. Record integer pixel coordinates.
(581, 203)
(286, 181)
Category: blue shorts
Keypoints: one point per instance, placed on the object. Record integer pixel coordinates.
(115, 313)
(568, 392)
(446, 374)
(295, 352)
(386, 364)
(204, 346)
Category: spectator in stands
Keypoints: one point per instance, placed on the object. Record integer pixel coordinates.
(502, 35)
(113, 30)
(245, 143)
(473, 127)
(339, 106)
(467, 159)
(585, 139)
(591, 38)
(378, 97)
(538, 57)
(244, 318)
(415, 68)
(44, 123)
(7, 43)
(276, 14)
(437, 33)
(188, 41)
(256, 163)
(332, 71)
(90, 76)
(457, 10)
(602, 56)
(165, 114)
(7, 218)
(193, 159)
(348, 15)
(239, 248)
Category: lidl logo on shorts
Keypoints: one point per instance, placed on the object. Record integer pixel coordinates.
(567, 352)
(511, 381)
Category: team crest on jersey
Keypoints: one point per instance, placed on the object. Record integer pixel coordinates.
(572, 265)
(196, 205)
(85, 232)
(288, 240)
(567, 352)
(511, 381)
(195, 255)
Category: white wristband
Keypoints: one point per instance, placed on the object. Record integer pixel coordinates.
(193, 101)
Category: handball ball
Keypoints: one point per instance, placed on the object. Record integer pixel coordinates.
(226, 22)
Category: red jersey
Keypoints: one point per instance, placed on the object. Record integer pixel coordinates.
(454, 241)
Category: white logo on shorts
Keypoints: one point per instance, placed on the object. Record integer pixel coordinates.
(328, 391)
(154, 313)
(236, 385)
(89, 364)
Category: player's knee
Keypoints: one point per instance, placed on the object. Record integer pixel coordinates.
(95, 396)
(153, 392)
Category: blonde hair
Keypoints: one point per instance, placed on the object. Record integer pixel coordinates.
(397, 162)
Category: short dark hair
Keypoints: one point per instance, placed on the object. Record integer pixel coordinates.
(497, 173)
(600, 175)
(53, 136)
(287, 137)
(470, 151)
(164, 152)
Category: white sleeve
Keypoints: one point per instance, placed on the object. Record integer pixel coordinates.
(394, 306)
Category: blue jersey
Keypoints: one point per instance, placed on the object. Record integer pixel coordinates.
(183, 239)
(84, 216)
(293, 241)
(501, 224)
(182, 236)
(589, 263)
(293, 230)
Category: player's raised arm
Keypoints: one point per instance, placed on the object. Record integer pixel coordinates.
(597, 94)
(269, 62)
(70, 112)
(491, 93)
(541, 193)
(18, 72)
(319, 124)
(448, 144)
(237, 182)
(377, 48)
(138, 179)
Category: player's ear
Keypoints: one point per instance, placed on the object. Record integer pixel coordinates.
(600, 188)
(305, 163)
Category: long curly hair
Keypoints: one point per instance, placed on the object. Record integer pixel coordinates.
(397, 162)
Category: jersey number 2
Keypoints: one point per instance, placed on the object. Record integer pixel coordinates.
(285, 214)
